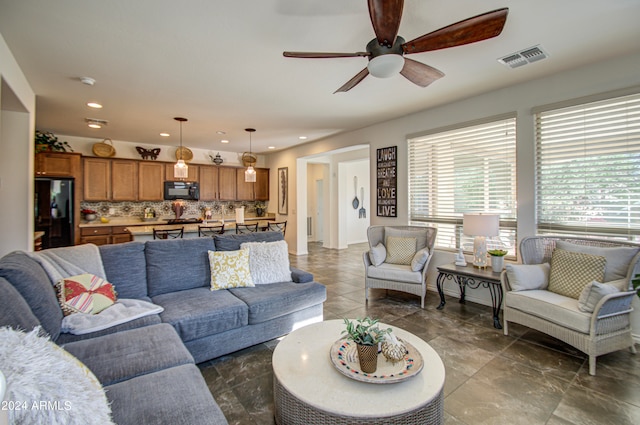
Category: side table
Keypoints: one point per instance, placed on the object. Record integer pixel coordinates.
(473, 277)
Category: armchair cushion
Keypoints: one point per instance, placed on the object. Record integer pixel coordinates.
(550, 306)
(419, 259)
(524, 277)
(618, 258)
(394, 272)
(592, 293)
(400, 250)
(572, 271)
(378, 254)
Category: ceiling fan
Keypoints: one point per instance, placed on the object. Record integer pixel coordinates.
(386, 51)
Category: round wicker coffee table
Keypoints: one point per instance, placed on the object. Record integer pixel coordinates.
(308, 389)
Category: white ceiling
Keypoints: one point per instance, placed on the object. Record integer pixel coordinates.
(220, 64)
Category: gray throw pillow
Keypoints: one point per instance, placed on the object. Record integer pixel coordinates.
(592, 294)
(378, 254)
(526, 277)
(419, 260)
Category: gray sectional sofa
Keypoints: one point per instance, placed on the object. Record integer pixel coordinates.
(147, 366)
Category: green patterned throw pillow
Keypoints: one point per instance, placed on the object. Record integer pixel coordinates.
(400, 250)
(572, 271)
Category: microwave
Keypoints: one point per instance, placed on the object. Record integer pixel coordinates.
(181, 190)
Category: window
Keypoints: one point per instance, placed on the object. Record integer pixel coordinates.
(588, 169)
(468, 169)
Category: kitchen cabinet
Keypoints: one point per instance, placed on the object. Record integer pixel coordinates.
(191, 177)
(97, 179)
(217, 183)
(254, 191)
(151, 181)
(105, 235)
(124, 180)
(57, 164)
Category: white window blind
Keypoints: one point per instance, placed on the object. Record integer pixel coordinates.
(468, 169)
(588, 169)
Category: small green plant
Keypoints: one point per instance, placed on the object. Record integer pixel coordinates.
(636, 284)
(365, 331)
(46, 141)
(497, 252)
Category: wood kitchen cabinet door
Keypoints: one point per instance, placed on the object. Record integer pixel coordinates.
(124, 180)
(191, 177)
(97, 179)
(150, 181)
(227, 184)
(208, 183)
(244, 190)
(261, 187)
(57, 164)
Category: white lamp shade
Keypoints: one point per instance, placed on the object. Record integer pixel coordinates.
(385, 66)
(479, 224)
(250, 174)
(180, 170)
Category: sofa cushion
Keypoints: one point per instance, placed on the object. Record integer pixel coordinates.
(229, 269)
(267, 302)
(550, 306)
(592, 294)
(126, 268)
(200, 312)
(232, 242)
(176, 396)
(84, 293)
(420, 235)
(572, 271)
(124, 355)
(31, 281)
(14, 310)
(524, 277)
(177, 264)
(268, 261)
(400, 250)
(618, 258)
(395, 272)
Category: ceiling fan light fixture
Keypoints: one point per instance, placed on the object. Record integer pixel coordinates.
(385, 66)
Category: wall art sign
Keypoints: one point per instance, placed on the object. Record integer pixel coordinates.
(387, 162)
(283, 190)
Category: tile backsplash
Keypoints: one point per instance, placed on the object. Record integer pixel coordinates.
(163, 208)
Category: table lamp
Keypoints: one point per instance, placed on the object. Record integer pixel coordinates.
(480, 225)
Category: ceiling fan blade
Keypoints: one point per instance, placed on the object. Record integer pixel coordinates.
(322, 55)
(470, 30)
(419, 73)
(385, 18)
(354, 81)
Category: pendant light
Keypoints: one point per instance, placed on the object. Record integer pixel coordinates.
(250, 173)
(180, 169)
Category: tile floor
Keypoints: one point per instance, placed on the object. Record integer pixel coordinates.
(524, 378)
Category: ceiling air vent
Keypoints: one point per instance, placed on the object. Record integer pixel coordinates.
(523, 57)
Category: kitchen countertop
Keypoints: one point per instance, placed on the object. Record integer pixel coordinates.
(162, 221)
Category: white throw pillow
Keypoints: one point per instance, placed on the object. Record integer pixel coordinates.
(592, 294)
(378, 254)
(525, 277)
(419, 259)
(268, 261)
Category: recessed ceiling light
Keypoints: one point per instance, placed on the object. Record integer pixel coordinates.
(94, 105)
(88, 81)
(95, 123)
(271, 147)
(220, 132)
(224, 141)
(165, 134)
(302, 137)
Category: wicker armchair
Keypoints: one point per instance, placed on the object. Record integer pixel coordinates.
(606, 330)
(393, 276)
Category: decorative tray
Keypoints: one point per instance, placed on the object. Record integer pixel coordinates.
(344, 357)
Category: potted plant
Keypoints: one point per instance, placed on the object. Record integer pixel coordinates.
(259, 209)
(497, 259)
(367, 335)
(636, 284)
(47, 141)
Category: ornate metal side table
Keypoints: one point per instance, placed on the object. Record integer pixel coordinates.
(472, 277)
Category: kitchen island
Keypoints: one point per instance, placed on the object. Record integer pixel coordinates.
(145, 233)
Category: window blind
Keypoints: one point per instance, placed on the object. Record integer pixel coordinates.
(588, 169)
(468, 169)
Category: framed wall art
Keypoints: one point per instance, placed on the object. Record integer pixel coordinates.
(283, 191)
(386, 165)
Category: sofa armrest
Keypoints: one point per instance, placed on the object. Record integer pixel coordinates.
(504, 281)
(300, 276)
(612, 313)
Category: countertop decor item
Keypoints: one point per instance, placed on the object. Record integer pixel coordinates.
(104, 149)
